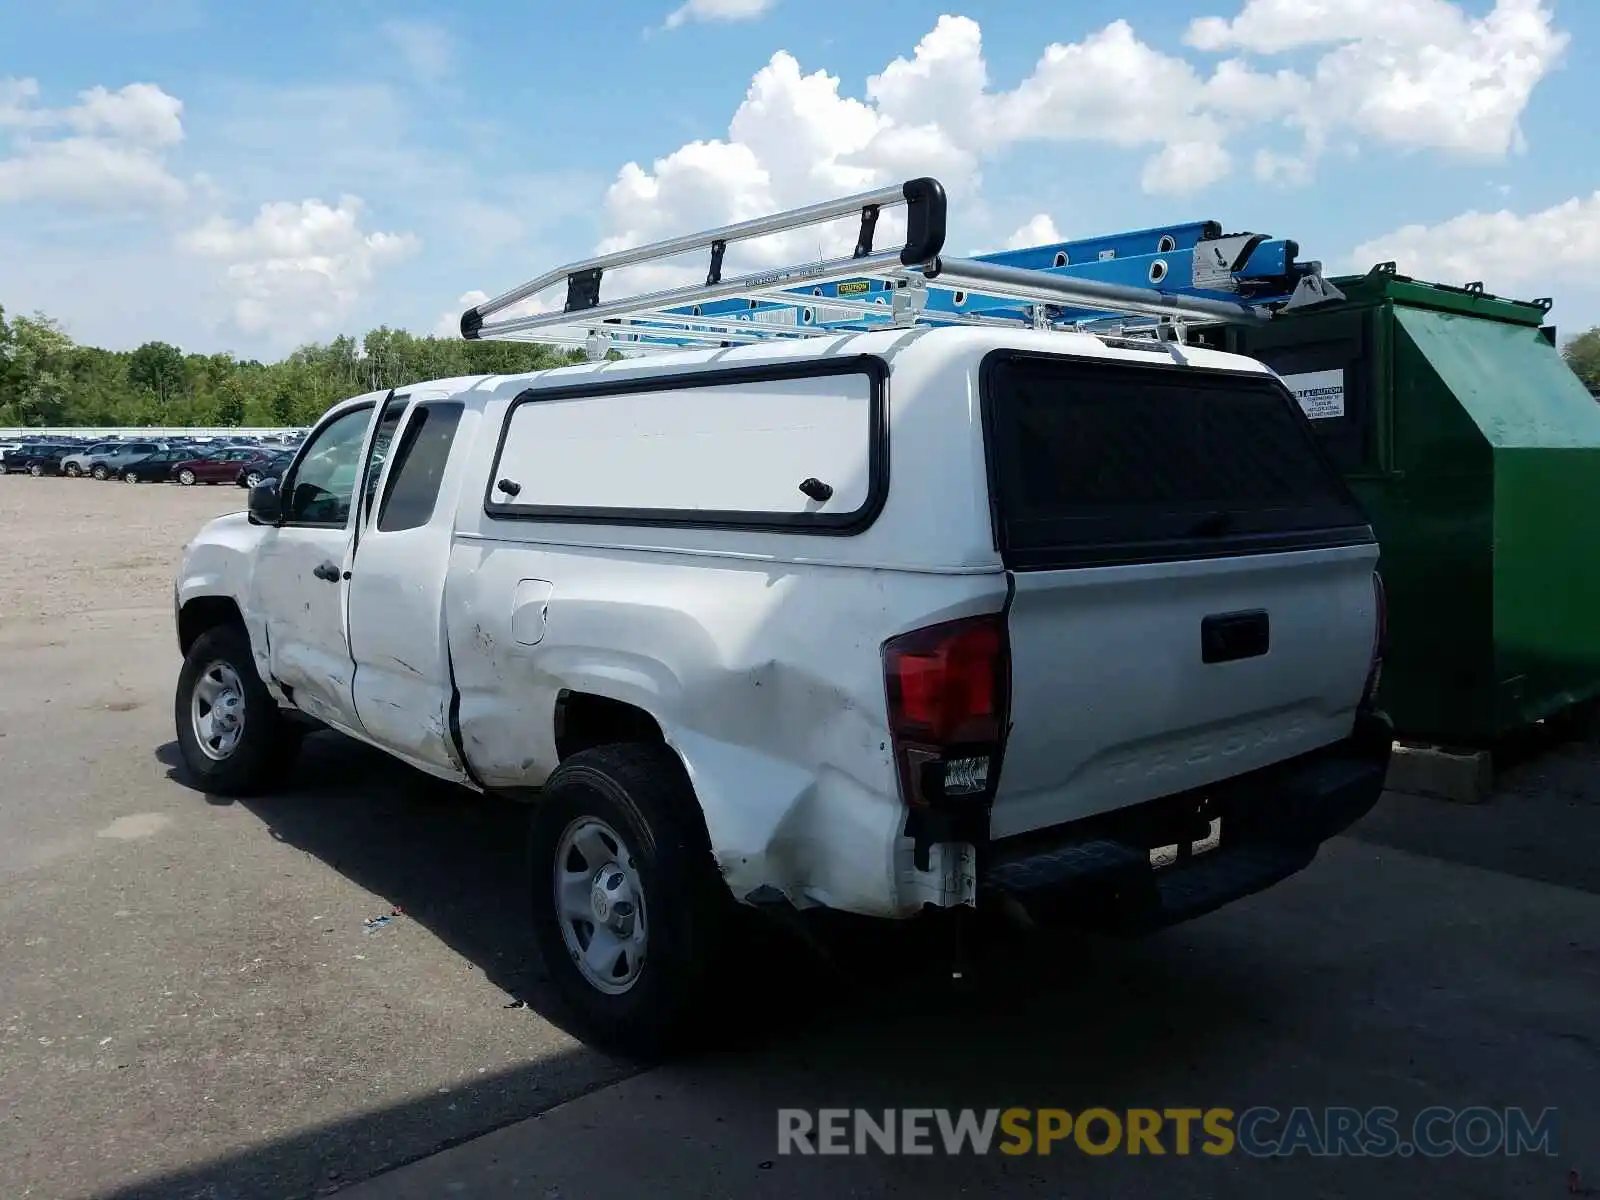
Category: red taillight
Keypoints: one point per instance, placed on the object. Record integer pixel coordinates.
(948, 690)
(1380, 639)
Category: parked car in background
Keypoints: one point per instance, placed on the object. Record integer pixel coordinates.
(110, 464)
(76, 463)
(262, 467)
(36, 458)
(212, 464)
(153, 468)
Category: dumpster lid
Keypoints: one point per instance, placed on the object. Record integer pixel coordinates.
(1384, 283)
(1507, 378)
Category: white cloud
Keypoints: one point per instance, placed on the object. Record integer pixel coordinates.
(298, 269)
(1181, 167)
(17, 100)
(1037, 230)
(108, 150)
(1111, 88)
(425, 47)
(1412, 74)
(1560, 244)
(1274, 26)
(449, 322)
(88, 172)
(718, 10)
(140, 113)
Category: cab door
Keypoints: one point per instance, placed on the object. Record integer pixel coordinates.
(403, 683)
(298, 587)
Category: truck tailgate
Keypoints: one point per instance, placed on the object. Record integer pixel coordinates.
(1192, 581)
(1113, 701)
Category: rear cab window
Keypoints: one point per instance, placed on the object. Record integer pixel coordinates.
(412, 490)
(1096, 463)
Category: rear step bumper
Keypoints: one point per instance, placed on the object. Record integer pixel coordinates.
(1098, 872)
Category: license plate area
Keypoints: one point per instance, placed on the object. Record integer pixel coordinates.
(1162, 857)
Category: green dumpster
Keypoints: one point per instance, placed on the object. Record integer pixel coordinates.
(1476, 452)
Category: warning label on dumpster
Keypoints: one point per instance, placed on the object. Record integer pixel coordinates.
(1321, 393)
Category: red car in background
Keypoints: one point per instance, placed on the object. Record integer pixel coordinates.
(216, 466)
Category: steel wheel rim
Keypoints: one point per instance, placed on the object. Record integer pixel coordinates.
(216, 710)
(130, 477)
(186, 477)
(600, 905)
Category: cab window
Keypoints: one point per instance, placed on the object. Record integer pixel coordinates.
(381, 441)
(324, 482)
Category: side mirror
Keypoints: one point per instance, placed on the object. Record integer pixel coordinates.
(266, 505)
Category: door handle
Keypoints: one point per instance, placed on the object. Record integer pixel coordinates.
(327, 571)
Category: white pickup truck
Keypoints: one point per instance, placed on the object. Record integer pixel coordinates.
(874, 622)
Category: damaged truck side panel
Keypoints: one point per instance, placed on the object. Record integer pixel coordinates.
(781, 730)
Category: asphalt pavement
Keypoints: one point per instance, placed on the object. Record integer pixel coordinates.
(203, 999)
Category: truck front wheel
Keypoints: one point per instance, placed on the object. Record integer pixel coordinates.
(630, 913)
(233, 738)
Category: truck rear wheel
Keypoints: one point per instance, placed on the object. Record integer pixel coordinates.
(630, 913)
(234, 739)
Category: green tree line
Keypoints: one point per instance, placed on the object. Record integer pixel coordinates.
(48, 379)
(1583, 356)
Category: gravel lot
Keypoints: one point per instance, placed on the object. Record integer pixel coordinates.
(192, 1004)
(75, 546)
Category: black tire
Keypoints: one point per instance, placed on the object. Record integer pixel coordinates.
(99, 472)
(642, 792)
(186, 477)
(267, 746)
(37, 470)
(72, 470)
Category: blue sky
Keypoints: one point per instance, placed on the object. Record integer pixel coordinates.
(246, 177)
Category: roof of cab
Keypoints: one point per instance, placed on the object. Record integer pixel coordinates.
(948, 342)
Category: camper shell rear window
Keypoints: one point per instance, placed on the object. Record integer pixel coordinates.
(1095, 463)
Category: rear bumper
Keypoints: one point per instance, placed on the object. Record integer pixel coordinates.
(1099, 871)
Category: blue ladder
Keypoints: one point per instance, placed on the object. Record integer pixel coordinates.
(1192, 259)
